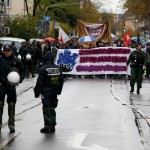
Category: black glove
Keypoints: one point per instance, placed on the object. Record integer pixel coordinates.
(36, 93)
(59, 92)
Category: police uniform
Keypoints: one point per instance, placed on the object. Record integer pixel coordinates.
(49, 84)
(14, 49)
(136, 59)
(9, 63)
(29, 63)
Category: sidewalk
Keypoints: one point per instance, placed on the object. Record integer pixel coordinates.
(139, 103)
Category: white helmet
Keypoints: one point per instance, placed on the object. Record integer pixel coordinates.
(28, 57)
(19, 56)
(13, 78)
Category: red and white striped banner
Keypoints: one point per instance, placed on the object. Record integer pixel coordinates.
(107, 60)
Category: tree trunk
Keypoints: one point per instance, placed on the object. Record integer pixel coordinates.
(36, 2)
(26, 5)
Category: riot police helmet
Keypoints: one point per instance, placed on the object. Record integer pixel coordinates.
(7, 47)
(13, 43)
(13, 78)
(19, 56)
(139, 43)
(28, 57)
(148, 44)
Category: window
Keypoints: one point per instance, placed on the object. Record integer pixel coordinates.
(6, 1)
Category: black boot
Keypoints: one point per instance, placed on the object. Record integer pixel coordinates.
(49, 116)
(132, 89)
(1, 113)
(138, 91)
(53, 129)
(33, 75)
(46, 129)
(11, 114)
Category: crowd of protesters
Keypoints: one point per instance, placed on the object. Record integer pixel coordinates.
(31, 53)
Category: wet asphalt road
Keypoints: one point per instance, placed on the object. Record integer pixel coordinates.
(94, 114)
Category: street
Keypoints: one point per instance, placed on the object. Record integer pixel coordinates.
(92, 114)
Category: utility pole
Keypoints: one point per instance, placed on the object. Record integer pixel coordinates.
(3, 18)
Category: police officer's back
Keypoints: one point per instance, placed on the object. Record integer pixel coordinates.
(49, 84)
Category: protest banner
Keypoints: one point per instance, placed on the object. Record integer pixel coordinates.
(102, 60)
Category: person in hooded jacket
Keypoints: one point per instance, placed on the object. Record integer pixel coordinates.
(14, 49)
(9, 63)
(22, 51)
(29, 56)
(49, 84)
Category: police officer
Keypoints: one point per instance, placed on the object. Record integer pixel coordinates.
(8, 64)
(137, 59)
(148, 59)
(29, 56)
(49, 84)
(38, 55)
(14, 49)
(22, 51)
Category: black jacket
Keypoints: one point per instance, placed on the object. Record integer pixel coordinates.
(8, 64)
(50, 77)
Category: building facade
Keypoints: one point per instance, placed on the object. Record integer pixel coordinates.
(12, 8)
(17, 7)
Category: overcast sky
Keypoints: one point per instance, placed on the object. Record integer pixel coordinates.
(114, 6)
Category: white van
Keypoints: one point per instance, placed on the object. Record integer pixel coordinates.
(37, 40)
(9, 40)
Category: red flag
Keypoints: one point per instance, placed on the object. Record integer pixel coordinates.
(126, 39)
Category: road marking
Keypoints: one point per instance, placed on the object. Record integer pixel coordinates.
(83, 107)
(80, 138)
(5, 139)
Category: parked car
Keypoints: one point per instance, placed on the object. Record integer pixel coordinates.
(9, 40)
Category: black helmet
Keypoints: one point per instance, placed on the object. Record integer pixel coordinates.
(139, 43)
(7, 48)
(48, 58)
(148, 44)
(13, 43)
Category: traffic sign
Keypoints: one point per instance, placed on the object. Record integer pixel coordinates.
(46, 18)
